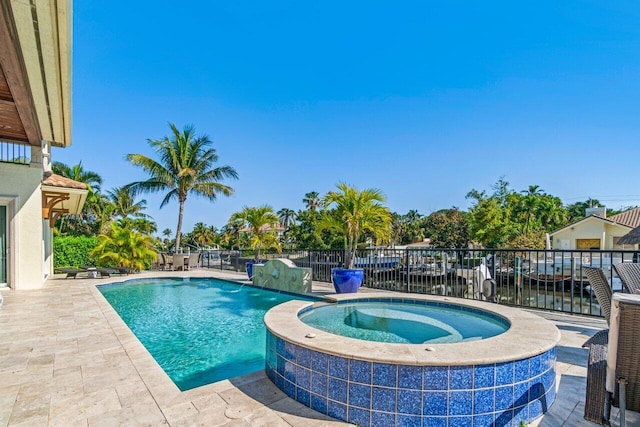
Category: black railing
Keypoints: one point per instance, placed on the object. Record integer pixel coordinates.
(544, 279)
(11, 152)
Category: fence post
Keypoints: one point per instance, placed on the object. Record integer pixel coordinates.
(406, 267)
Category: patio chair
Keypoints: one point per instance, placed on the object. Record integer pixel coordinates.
(601, 288)
(596, 397)
(179, 261)
(595, 405)
(623, 358)
(158, 263)
(167, 261)
(629, 273)
(194, 260)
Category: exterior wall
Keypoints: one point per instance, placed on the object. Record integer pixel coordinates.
(20, 186)
(590, 229)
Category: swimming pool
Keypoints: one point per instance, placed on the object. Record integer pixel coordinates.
(199, 330)
(383, 321)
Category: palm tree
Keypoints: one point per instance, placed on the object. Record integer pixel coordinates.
(230, 234)
(78, 173)
(141, 225)
(355, 212)
(203, 235)
(124, 205)
(530, 204)
(287, 217)
(261, 222)
(96, 211)
(312, 200)
(186, 165)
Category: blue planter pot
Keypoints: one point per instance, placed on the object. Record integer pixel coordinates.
(249, 267)
(347, 280)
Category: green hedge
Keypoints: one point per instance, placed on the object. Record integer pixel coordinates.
(71, 251)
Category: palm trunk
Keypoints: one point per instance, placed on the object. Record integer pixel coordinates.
(179, 228)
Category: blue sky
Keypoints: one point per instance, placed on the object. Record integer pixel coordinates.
(424, 100)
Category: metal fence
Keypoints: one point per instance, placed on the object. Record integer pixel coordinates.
(544, 279)
(11, 152)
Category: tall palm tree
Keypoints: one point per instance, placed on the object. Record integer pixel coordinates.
(124, 205)
(261, 222)
(186, 165)
(312, 200)
(530, 204)
(355, 212)
(287, 217)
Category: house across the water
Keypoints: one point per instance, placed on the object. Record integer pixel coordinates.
(597, 231)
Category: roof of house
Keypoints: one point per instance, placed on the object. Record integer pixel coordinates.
(60, 181)
(630, 218)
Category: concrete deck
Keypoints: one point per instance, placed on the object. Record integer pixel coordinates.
(67, 359)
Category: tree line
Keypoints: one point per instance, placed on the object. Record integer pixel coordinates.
(187, 164)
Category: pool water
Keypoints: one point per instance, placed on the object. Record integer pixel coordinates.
(198, 330)
(404, 323)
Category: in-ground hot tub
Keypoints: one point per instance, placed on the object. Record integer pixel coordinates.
(422, 379)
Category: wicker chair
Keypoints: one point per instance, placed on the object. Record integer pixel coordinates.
(600, 286)
(627, 370)
(597, 404)
(629, 274)
(597, 401)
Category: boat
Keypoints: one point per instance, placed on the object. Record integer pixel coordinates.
(377, 262)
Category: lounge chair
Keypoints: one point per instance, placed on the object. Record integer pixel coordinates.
(124, 270)
(107, 272)
(71, 272)
(596, 398)
(629, 273)
(102, 271)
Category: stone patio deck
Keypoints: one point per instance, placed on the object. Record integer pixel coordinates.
(67, 359)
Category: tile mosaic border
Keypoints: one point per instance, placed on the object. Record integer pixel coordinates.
(381, 394)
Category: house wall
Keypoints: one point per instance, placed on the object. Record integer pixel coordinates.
(20, 190)
(592, 229)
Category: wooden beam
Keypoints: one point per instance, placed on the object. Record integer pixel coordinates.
(55, 214)
(15, 73)
(49, 201)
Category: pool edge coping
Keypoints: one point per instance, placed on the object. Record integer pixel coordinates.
(521, 340)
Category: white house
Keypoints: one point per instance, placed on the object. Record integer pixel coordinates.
(35, 114)
(597, 231)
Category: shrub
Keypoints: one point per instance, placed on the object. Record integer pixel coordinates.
(122, 247)
(73, 251)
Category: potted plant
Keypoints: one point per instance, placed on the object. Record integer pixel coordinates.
(351, 213)
(260, 222)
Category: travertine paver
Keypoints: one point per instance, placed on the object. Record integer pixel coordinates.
(67, 359)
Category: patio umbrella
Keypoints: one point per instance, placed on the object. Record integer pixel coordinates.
(631, 238)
